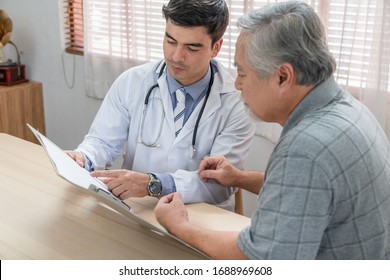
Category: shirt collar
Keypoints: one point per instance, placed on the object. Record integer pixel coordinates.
(319, 97)
(194, 90)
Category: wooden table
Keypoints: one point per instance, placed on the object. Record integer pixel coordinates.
(42, 216)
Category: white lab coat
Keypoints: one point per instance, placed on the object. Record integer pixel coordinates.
(225, 129)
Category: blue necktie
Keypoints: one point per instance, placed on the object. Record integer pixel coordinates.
(179, 109)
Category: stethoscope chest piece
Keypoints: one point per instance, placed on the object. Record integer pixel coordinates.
(191, 151)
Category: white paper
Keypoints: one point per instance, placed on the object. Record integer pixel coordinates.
(66, 167)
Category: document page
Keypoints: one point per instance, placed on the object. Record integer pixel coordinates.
(66, 167)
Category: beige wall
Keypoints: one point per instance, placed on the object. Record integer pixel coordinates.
(37, 33)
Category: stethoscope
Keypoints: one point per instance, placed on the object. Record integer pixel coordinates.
(154, 143)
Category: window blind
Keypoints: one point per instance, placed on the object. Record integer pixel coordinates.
(74, 34)
(351, 30)
(126, 29)
(134, 30)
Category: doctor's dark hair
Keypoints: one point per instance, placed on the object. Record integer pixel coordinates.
(287, 32)
(211, 14)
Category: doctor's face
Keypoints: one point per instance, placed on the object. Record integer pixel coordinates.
(187, 52)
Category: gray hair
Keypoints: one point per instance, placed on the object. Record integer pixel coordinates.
(287, 32)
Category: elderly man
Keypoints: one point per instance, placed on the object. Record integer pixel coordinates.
(325, 193)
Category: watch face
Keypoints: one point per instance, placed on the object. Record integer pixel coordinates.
(155, 188)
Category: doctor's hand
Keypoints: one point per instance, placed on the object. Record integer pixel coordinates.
(124, 183)
(171, 213)
(77, 157)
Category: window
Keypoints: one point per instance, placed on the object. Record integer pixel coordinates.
(133, 30)
(125, 29)
(74, 31)
(353, 32)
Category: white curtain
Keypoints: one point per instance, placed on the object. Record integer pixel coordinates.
(376, 93)
(119, 34)
(122, 33)
(359, 37)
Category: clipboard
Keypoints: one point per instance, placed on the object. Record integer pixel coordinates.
(66, 168)
(69, 170)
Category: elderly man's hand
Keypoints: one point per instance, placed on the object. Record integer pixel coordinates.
(171, 212)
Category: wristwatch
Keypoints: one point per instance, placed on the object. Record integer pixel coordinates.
(154, 186)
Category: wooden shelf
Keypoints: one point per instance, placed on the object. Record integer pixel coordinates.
(21, 104)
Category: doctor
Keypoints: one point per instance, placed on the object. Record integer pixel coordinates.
(139, 111)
